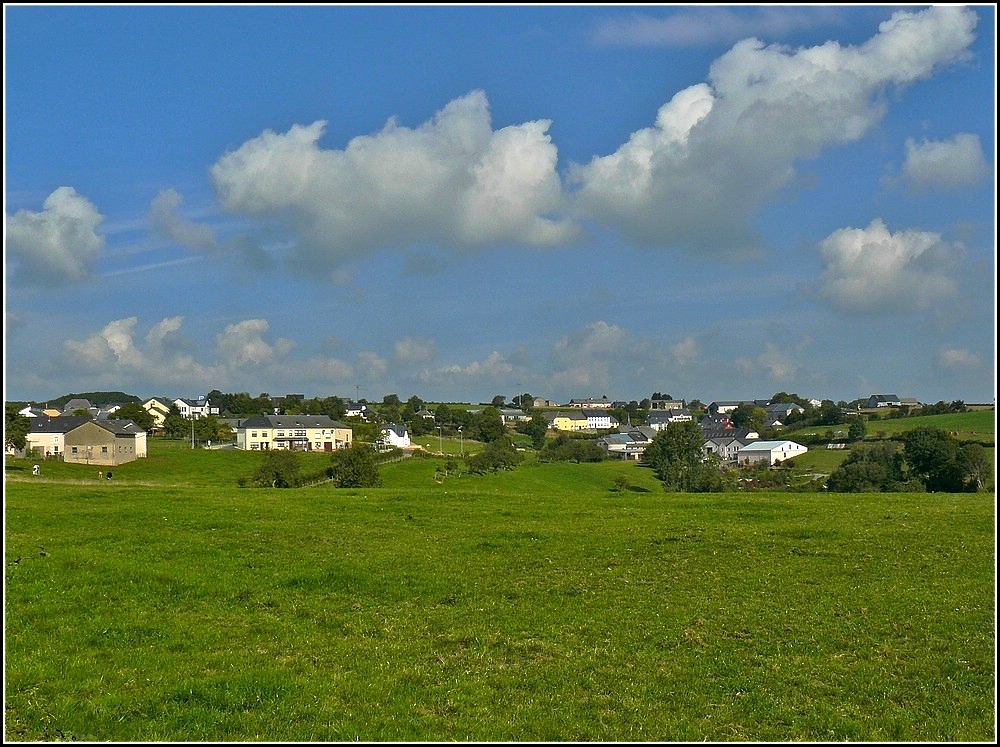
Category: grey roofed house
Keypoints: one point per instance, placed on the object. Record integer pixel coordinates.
(883, 400)
(62, 424)
(783, 409)
(291, 421)
(590, 402)
(666, 404)
(120, 427)
(78, 404)
(397, 428)
(657, 418)
(743, 434)
(507, 414)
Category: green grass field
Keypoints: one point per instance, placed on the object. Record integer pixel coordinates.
(533, 605)
(975, 425)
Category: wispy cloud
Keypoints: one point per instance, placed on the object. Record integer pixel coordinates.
(709, 25)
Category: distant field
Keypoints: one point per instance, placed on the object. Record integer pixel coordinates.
(534, 605)
(976, 424)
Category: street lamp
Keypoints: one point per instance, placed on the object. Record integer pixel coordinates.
(461, 440)
(440, 441)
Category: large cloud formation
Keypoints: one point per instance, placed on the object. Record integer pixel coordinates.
(718, 151)
(59, 244)
(452, 181)
(873, 270)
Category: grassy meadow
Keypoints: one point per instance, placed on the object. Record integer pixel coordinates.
(535, 605)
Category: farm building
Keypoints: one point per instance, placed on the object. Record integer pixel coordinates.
(769, 451)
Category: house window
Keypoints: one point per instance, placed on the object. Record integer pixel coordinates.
(104, 449)
(74, 449)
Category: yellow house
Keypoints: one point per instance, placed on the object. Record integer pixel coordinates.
(159, 408)
(293, 432)
(569, 421)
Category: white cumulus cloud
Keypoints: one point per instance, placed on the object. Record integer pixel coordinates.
(243, 343)
(719, 150)
(112, 354)
(873, 270)
(946, 164)
(453, 181)
(58, 244)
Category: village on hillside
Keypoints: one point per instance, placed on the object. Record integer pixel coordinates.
(736, 432)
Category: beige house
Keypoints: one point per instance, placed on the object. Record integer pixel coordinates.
(47, 436)
(105, 442)
(293, 432)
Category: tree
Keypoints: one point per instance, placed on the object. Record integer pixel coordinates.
(706, 476)
(975, 463)
(871, 468)
(279, 469)
(489, 426)
(497, 455)
(931, 454)
(356, 467)
(536, 428)
(857, 429)
(829, 413)
(498, 400)
(749, 416)
(176, 425)
(137, 414)
(674, 453)
(567, 449)
(442, 414)
(15, 429)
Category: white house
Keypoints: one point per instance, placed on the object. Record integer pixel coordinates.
(195, 408)
(629, 445)
(725, 447)
(598, 420)
(884, 400)
(508, 415)
(356, 410)
(658, 419)
(395, 434)
(769, 451)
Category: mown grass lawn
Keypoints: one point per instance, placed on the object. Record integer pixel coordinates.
(533, 605)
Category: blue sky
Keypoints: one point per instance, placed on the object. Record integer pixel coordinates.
(458, 202)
